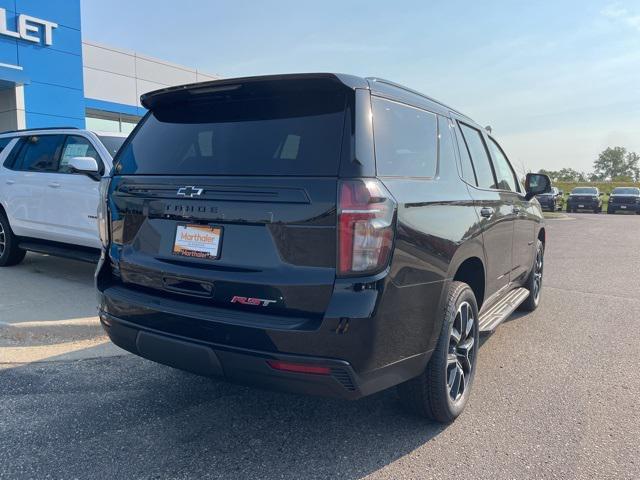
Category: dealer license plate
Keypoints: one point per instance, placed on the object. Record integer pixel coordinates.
(197, 241)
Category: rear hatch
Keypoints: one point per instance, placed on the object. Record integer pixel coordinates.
(226, 196)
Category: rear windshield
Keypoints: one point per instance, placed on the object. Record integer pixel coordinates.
(286, 134)
(626, 191)
(112, 144)
(585, 191)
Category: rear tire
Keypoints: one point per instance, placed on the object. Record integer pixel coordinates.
(10, 253)
(441, 391)
(534, 282)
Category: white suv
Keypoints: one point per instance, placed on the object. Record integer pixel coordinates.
(49, 191)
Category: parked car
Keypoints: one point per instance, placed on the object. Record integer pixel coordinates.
(585, 198)
(316, 233)
(552, 201)
(49, 191)
(624, 199)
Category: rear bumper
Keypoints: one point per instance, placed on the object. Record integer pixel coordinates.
(242, 366)
(239, 350)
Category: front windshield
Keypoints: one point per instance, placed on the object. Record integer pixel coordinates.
(584, 191)
(626, 191)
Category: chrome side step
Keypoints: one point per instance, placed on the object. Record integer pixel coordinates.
(497, 314)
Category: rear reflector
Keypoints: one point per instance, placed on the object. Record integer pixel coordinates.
(299, 367)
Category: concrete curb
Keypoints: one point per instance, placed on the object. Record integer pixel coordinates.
(39, 333)
(12, 357)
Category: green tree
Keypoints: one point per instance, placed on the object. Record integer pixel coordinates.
(611, 163)
(633, 166)
(565, 175)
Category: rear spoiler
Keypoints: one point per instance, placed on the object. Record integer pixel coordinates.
(249, 85)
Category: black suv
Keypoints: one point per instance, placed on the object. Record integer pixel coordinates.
(585, 198)
(551, 201)
(316, 233)
(624, 199)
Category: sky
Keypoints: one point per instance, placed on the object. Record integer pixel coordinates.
(558, 81)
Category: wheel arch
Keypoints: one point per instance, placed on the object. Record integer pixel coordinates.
(542, 236)
(472, 272)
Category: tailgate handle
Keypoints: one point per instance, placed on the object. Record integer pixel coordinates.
(188, 287)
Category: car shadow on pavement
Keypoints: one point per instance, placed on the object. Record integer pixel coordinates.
(44, 288)
(131, 418)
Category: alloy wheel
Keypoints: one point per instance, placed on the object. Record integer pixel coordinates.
(462, 351)
(537, 273)
(3, 239)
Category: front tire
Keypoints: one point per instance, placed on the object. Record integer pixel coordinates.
(441, 391)
(534, 282)
(10, 253)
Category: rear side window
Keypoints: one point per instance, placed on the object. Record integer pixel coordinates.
(506, 178)
(284, 134)
(112, 144)
(406, 139)
(478, 151)
(40, 153)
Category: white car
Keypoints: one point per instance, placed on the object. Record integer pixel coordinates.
(49, 191)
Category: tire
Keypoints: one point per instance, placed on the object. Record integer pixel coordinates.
(441, 391)
(534, 281)
(10, 253)
(610, 212)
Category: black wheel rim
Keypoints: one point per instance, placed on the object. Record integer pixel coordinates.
(537, 274)
(3, 240)
(462, 349)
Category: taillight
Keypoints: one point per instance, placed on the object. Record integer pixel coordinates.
(103, 211)
(365, 226)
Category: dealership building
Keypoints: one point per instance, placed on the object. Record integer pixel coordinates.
(50, 76)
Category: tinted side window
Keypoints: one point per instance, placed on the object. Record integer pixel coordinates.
(10, 161)
(478, 151)
(76, 146)
(447, 161)
(4, 142)
(506, 178)
(468, 174)
(406, 139)
(40, 153)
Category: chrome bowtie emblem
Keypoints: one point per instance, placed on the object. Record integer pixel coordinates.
(190, 191)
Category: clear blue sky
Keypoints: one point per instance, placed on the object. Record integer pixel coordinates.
(557, 80)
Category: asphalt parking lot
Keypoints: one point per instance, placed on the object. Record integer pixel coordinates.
(555, 395)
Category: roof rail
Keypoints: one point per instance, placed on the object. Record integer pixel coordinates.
(42, 128)
(415, 92)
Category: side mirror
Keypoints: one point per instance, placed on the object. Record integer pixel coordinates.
(87, 165)
(561, 193)
(601, 194)
(536, 184)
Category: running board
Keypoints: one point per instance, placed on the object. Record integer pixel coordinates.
(497, 314)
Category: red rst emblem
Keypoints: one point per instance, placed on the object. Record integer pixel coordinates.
(252, 301)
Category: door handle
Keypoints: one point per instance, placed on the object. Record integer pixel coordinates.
(10, 182)
(487, 212)
(54, 185)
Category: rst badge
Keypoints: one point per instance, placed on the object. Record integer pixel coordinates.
(256, 302)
